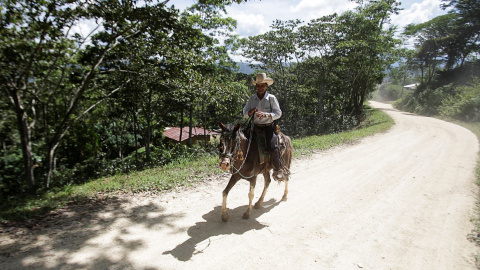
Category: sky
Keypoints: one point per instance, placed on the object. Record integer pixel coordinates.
(255, 16)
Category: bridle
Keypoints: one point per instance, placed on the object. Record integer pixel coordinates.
(236, 152)
(228, 136)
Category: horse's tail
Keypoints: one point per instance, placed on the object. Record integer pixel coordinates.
(287, 154)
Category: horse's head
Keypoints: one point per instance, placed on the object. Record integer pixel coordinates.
(229, 146)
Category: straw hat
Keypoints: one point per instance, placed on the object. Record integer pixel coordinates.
(262, 78)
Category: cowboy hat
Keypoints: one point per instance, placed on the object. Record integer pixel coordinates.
(262, 78)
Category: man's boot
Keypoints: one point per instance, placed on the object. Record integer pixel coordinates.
(277, 170)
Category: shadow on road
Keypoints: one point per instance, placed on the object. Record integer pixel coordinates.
(50, 241)
(202, 234)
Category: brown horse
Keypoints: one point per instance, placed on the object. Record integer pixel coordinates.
(242, 156)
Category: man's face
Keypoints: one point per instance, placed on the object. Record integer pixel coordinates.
(261, 88)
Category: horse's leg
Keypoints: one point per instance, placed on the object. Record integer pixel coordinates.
(231, 183)
(287, 158)
(267, 178)
(253, 181)
(284, 198)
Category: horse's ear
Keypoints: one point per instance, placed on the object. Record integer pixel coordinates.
(222, 126)
(237, 126)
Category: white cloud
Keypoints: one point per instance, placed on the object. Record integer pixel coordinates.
(418, 13)
(255, 17)
(312, 9)
(84, 27)
(250, 23)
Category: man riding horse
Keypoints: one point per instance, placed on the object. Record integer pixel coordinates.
(243, 152)
(266, 108)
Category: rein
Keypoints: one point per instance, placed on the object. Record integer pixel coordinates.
(238, 139)
(246, 155)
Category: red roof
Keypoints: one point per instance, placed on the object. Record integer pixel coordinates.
(174, 132)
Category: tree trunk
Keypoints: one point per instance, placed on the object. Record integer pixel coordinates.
(148, 139)
(181, 127)
(135, 126)
(5, 161)
(25, 138)
(122, 138)
(320, 94)
(204, 125)
(148, 117)
(50, 164)
(190, 127)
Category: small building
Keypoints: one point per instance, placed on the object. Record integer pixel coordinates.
(199, 135)
(411, 87)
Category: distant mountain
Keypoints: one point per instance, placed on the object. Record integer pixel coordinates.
(245, 68)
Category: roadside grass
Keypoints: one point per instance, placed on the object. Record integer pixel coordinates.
(181, 173)
(185, 172)
(376, 122)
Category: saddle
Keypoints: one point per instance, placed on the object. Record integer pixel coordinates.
(262, 143)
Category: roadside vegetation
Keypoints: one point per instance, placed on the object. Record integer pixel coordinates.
(79, 106)
(375, 122)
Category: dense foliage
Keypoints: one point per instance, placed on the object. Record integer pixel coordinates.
(71, 99)
(77, 105)
(324, 70)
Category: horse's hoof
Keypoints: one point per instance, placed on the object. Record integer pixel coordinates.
(284, 198)
(257, 205)
(225, 217)
(246, 215)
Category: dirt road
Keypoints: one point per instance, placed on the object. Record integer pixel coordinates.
(399, 200)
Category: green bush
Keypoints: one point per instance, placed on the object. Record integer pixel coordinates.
(11, 173)
(103, 167)
(426, 101)
(465, 105)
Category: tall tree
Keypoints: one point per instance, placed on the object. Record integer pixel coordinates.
(361, 50)
(342, 55)
(434, 44)
(276, 52)
(466, 35)
(315, 39)
(47, 70)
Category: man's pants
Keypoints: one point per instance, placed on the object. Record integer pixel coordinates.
(271, 144)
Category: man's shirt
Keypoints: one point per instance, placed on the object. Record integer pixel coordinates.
(268, 104)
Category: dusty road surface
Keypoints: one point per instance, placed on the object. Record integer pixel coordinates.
(399, 200)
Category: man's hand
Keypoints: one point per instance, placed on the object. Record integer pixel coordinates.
(252, 111)
(260, 115)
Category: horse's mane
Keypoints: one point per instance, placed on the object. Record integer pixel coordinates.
(241, 134)
(231, 129)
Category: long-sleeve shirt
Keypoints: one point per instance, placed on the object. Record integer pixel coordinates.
(268, 104)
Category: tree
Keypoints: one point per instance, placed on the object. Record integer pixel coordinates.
(434, 44)
(405, 67)
(315, 39)
(361, 50)
(333, 62)
(466, 38)
(276, 53)
(48, 71)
